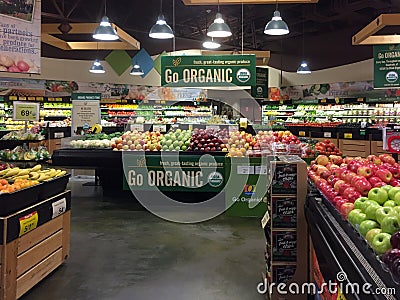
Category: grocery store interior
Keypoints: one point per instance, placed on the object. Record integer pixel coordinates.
(200, 149)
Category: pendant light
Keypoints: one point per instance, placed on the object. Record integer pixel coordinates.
(210, 44)
(136, 70)
(276, 26)
(161, 30)
(303, 68)
(219, 28)
(97, 68)
(105, 32)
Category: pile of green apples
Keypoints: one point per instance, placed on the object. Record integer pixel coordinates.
(178, 140)
(377, 217)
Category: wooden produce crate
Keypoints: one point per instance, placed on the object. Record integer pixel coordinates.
(377, 148)
(355, 147)
(33, 255)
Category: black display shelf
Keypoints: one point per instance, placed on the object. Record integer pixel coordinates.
(10, 144)
(340, 248)
(57, 132)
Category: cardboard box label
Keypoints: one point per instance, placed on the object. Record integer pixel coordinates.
(284, 212)
(284, 246)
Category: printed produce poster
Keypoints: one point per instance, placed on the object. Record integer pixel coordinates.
(20, 30)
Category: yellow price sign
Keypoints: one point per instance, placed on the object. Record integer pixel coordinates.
(348, 135)
(28, 223)
(25, 111)
(302, 133)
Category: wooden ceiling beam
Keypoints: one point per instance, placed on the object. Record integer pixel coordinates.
(229, 2)
(126, 41)
(366, 35)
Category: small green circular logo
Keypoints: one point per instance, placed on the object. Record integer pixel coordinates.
(215, 179)
(243, 75)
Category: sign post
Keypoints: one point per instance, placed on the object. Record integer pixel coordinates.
(386, 66)
(85, 111)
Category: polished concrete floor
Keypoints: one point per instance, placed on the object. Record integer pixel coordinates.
(121, 252)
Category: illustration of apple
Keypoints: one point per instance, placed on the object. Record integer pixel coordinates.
(379, 195)
(364, 171)
(381, 243)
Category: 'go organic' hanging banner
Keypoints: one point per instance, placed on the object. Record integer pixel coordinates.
(20, 30)
(206, 71)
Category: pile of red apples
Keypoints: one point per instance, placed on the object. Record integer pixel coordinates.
(343, 180)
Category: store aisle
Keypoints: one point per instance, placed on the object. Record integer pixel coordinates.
(120, 252)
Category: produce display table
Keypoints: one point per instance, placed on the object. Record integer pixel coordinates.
(338, 247)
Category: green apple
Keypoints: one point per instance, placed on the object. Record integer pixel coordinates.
(382, 213)
(390, 224)
(387, 188)
(397, 199)
(389, 203)
(366, 226)
(370, 234)
(378, 194)
(393, 191)
(360, 203)
(356, 216)
(381, 243)
(396, 211)
(370, 211)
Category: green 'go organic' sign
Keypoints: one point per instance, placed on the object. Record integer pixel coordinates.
(386, 66)
(213, 70)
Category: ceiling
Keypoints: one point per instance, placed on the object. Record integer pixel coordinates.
(319, 33)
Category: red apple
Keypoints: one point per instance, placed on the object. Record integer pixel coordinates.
(322, 160)
(395, 171)
(325, 174)
(338, 184)
(379, 184)
(384, 175)
(321, 169)
(353, 196)
(336, 199)
(345, 208)
(335, 180)
(348, 191)
(353, 166)
(330, 179)
(363, 186)
(364, 171)
(340, 202)
(347, 160)
(373, 168)
(355, 179)
(338, 172)
(386, 158)
(374, 180)
(395, 182)
(348, 176)
(343, 187)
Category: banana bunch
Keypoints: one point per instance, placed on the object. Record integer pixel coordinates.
(35, 173)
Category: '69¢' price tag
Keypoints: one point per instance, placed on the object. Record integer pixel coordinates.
(59, 207)
(25, 111)
(28, 223)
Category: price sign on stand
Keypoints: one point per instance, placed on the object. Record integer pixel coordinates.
(160, 128)
(28, 223)
(59, 207)
(138, 127)
(327, 134)
(25, 111)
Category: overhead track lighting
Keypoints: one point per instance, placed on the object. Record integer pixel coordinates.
(105, 32)
(161, 30)
(97, 68)
(276, 26)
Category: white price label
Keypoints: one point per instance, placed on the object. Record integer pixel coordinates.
(327, 134)
(265, 220)
(58, 135)
(138, 127)
(160, 128)
(59, 207)
(232, 128)
(261, 170)
(214, 127)
(245, 170)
